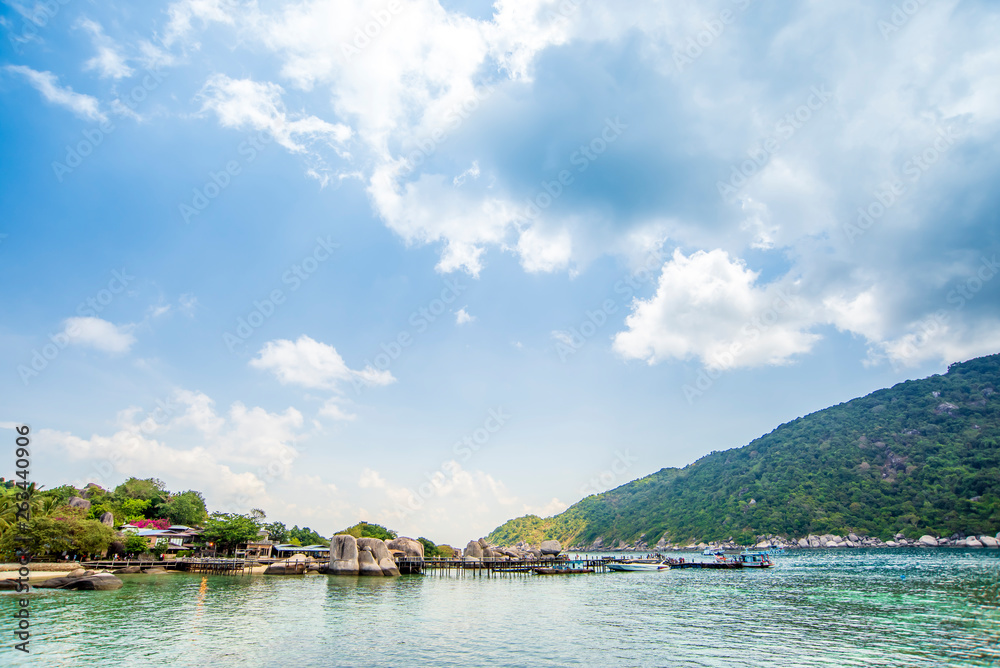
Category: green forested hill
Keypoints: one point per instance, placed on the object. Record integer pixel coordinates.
(920, 457)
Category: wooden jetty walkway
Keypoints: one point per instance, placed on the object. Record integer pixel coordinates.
(211, 566)
(407, 565)
(498, 567)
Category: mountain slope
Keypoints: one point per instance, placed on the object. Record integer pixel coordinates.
(920, 457)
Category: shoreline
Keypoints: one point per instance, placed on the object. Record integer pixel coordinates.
(812, 541)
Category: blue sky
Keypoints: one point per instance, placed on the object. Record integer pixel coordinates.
(439, 264)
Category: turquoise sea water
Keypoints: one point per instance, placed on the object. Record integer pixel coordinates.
(820, 607)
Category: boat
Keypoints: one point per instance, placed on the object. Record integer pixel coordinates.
(631, 566)
(754, 559)
(712, 551)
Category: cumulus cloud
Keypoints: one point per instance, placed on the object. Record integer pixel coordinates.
(447, 498)
(710, 307)
(457, 123)
(313, 364)
(232, 457)
(84, 106)
(99, 334)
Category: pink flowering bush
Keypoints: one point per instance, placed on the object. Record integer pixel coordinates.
(152, 524)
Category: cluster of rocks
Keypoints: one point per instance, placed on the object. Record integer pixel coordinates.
(899, 540)
(133, 570)
(480, 550)
(107, 519)
(297, 564)
(357, 556)
(640, 545)
(371, 556)
(766, 542)
(79, 579)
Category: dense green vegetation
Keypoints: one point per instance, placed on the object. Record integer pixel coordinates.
(432, 551)
(920, 457)
(55, 527)
(366, 530)
(305, 536)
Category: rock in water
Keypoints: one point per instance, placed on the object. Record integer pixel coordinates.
(108, 520)
(473, 550)
(343, 555)
(293, 565)
(411, 548)
(376, 547)
(92, 582)
(77, 502)
(380, 553)
(989, 541)
(367, 565)
(99, 582)
(927, 541)
(550, 547)
(388, 566)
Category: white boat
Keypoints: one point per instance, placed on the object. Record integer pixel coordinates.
(630, 566)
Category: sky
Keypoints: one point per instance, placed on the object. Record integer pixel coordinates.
(438, 264)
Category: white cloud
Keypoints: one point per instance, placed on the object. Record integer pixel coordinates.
(423, 95)
(208, 11)
(109, 62)
(99, 334)
(434, 504)
(332, 409)
(371, 479)
(544, 252)
(232, 458)
(711, 307)
(188, 303)
(310, 363)
(159, 310)
(47, 84)
(553, 507)
(244, 103)
(462, 316)
(471, 172)
(937, 338)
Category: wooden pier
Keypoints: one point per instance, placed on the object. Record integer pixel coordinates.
(409, 565)
(208, 566)
(497, 567)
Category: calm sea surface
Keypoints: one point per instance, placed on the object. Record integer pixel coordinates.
(821, 607)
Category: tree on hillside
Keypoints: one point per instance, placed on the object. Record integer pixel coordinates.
(135, 544)
(187, 508)
(147, 489)
(65, 529)
(276, 531)
(132, 510)
(432, 551)
(305, 536)
(230, 530)
(366, 530)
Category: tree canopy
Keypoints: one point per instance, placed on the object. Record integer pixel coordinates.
(230, 530)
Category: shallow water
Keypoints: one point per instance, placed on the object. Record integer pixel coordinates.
(818, 607)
